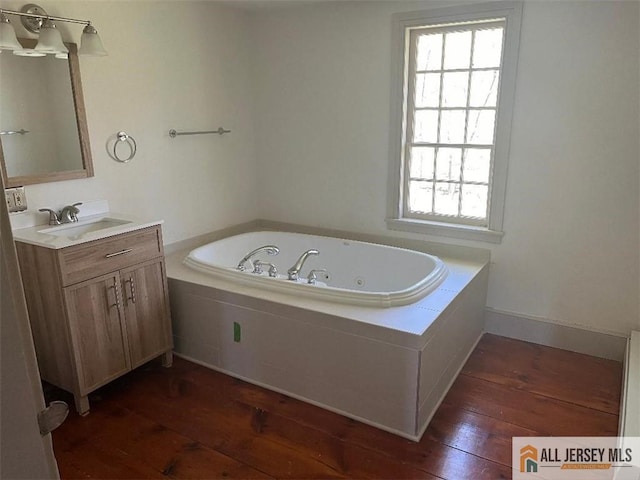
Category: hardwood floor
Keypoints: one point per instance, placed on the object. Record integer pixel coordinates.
(191, 422)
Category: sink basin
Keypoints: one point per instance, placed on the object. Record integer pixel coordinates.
(75, 230)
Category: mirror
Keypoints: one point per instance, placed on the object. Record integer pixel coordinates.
(43, 126)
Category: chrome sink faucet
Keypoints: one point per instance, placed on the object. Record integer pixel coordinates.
(294, 271)
(68, 214)
(269, 249)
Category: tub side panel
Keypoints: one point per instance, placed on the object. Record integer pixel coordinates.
(369, 379)
(195, 328)
(460, 326)
(358, 376)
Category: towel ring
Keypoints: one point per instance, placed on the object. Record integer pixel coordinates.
(124, 137)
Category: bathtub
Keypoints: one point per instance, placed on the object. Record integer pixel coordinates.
(349, 272)
(355, 346)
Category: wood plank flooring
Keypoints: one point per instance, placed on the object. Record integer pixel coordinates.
(189, 422)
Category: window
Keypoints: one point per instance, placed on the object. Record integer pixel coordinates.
(454, 88)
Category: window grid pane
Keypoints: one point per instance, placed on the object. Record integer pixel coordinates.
(465, 109)
(429, 52)
(427, 92)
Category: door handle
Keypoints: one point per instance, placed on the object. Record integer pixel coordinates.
(117, 294)
(132, 286)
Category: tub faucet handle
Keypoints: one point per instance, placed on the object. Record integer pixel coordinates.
(257, 268)
(313, 275)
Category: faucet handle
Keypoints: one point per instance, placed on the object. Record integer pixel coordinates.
(53, 216)
(313, 277)
(258, 264)
(74, 211)
(69, 213)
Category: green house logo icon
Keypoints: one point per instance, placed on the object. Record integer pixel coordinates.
(529, 459)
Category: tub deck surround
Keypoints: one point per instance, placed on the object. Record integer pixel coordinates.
(388, 367)
(406, 323)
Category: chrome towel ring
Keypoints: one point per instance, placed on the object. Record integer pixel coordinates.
(130, 141)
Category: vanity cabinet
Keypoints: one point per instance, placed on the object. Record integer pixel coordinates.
(98, 309)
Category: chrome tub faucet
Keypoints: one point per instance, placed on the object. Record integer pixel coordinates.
(269, 249)
(294, 271)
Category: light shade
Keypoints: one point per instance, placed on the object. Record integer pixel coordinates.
(8, 40)
(90, 43)
(50, 40)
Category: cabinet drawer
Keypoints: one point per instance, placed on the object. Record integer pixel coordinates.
(90, 260)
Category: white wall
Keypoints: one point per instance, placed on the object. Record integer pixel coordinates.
(182, 65)
(571, 249)
(573, 183)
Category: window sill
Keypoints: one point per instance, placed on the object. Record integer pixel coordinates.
(451, 230)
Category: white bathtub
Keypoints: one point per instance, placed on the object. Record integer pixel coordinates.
(358, 273)
(387, 367)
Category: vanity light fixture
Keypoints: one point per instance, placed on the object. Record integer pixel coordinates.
(50, 40)
(36, 20)
(8, 40)
(90, 43)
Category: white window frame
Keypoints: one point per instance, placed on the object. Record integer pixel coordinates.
(403, 23)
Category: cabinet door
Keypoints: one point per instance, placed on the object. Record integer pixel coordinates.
(97, 333)
(146, 307)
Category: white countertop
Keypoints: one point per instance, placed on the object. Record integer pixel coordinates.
(42, 235)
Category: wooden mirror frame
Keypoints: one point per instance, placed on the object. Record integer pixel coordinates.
(81, 123)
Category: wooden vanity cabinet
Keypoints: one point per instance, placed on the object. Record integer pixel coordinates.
(97, 309)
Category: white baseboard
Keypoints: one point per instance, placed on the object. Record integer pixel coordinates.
(599, 344)
(630, 401)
